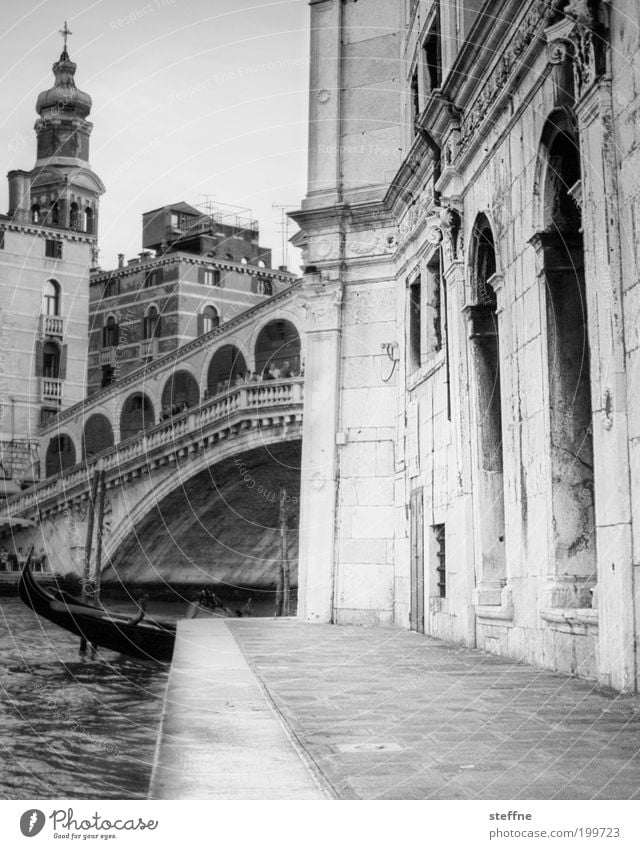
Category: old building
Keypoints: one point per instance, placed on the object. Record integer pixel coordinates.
(47, 248)
(470, 448)
(196, 271)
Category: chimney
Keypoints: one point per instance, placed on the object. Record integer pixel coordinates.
(120, 260)
(19, 196)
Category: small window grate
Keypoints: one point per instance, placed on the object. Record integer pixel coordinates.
(441, 559)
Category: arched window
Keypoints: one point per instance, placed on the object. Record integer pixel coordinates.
(54, 213)
(110, 333)
(51, 360)
(35, 213)
(52, 298)
(88, 220)
(74, 216)
(229, 257)
(151, 324)
(262, 263)
(210, 319)
(61, 454)
(244, 260)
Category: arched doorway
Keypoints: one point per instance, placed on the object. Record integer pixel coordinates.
(226, 366)
(560, 245)
(98, 435)
(61, 454)
(484, 337)
(278, 347)
(180, 389)
(137, 415)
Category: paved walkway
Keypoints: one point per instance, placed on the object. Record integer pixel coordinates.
(220, 737)
(386, 714)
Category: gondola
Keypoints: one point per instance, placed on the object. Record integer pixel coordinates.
(147, 639)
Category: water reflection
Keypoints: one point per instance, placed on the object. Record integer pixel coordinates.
(71, 728)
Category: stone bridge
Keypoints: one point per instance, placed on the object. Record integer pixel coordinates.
(191, 496)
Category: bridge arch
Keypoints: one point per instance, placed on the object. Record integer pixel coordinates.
(97, 435)
(61, 454)
(278, 343)
(137, 414)
(226, 365)
(181, 388)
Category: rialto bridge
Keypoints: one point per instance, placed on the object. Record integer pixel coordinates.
(195, 451)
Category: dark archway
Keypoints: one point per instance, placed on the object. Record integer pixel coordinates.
(98, 435)
(562, 249)
(484, 335)
(137, 415)
(278, 347)
(226, 366)
(61, 454)
(180, 389)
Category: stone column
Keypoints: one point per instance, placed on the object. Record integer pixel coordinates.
(322, 299)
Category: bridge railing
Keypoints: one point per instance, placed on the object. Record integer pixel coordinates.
(246, 397)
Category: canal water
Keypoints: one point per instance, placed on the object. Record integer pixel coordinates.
(73, 728)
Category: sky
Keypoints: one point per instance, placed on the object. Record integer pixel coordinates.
(194, 100)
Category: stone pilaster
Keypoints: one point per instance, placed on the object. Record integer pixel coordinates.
(322, 300)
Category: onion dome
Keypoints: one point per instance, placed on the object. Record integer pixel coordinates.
(63, 98)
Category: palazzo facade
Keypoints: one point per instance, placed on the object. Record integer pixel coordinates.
(471, 463)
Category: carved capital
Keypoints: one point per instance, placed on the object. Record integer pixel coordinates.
(321, 299)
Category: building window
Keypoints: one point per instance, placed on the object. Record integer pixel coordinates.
(54, 213)
(51, 360)
(439, 540)
(415, 325)
(210, 319)
(88, 220)
(53, 248)
(153, 278)
(74, 216)
(432, 56)
(35, 214)
(108, 376)
(262, 286)
(112, 287)
(210, 277)
(110, 333)
(151, 324)
(52, 298)
(415, 101)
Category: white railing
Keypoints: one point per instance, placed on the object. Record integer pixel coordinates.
(51, 325)
(50, 389)
(149, 348)
(107, 357)
(226, 408)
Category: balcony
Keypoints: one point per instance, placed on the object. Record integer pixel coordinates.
(51, 325)
(149, 348)
(107, 357)
(51, 390)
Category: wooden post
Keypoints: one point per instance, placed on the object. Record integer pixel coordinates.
(102, 491)
(284, 552)
(86, 573)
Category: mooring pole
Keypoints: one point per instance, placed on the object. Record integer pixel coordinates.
(284, 552)
(101, 506)
(86, 570)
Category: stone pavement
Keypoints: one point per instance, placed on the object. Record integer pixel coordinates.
(388, 714)
(220, 737)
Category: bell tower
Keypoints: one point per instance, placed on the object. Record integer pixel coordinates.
(65, 192)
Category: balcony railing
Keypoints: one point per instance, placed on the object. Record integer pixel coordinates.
(51, 390)
(149, 348)
(107, 357)
(227, 414)
(51, 325)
